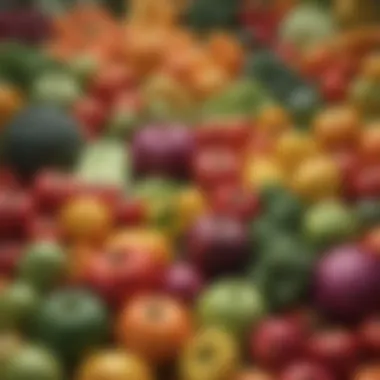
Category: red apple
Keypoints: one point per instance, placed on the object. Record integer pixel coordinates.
(369, 337)
(16, 210)
(305, 371)
(52, 189)
(218, 245)
(10, 254)
(337, 350)
(116, 276)
(183, 282)
(277, 342)
(235, 201)
(213, 167)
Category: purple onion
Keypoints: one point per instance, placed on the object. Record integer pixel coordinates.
(347, 284)
(163, 150)
(218, 245)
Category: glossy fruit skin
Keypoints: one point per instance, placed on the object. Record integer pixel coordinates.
(218, 245)
(56, 141)
(43, 265)
(366, 182)
(215, 166)
(337, 127)
(330, 222)
(20, 303)
(113, 364)
(116, 276)
(16, 209)
(163, 150)
(70, 322)
(52, 189)
(232, 304)
(371, 241)
(316, 178)
(85, 219)
(283, 271)
(304, 370)
(276, 342)
(369, 144)
(347, 267)
(92, 115)
(10, 254)
(235, 202)
(183, 282)
(293, 147)
(110, 81)
(336, 350)
(33, 362)
(144, 239)
(154, 327)
(223, 352)
(369, 336)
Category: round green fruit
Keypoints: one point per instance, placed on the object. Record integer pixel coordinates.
(232, 304)
(43, 265)
(33, 363)
(71, 322)
(330, 222)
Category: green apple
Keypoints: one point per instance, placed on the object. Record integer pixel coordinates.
(232, 304)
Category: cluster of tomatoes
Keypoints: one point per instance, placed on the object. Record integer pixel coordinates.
(222, 248)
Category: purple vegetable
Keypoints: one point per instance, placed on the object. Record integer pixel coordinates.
(163, 150)
(183, 282)
(347, 284)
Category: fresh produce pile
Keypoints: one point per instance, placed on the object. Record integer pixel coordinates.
(190, 190)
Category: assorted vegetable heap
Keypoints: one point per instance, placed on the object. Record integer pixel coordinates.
(190, 190)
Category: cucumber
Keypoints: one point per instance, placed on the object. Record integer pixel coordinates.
(104, 163)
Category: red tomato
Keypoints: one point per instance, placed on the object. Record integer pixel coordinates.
(43, 228)
(349, 165)
(116, 276)
(371, 241)
(92, 115)
(130, 212)
(334, 86)
(276, 342)
(111, 81)
(16, 211)
(336, 350)
(235, 201)
(369, 336)
(10, 254)
(215, 166)
(52, 189)
(366, 182)
(154, 327)
(232, 134)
